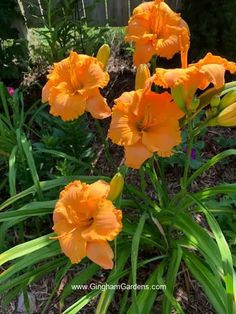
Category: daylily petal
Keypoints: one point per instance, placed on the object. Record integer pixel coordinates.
(212, 73)
(145, 7)
(100, 253)
(106, 223)
(98, 189)
(73, 246)
(123, 129)
(45, 92)
(156, 29)
(94, 75)
(143, 53)
(84, 219)
(71, 82)
(65, 105)
(97, 106)
(162, 138)
(152, 114)
(136, 154)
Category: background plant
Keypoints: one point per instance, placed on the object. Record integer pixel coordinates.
(13, 49)
(215, 32)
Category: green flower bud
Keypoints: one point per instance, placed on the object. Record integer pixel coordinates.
(103, 54)
(215, 101)
(228, 99)
(116, 186)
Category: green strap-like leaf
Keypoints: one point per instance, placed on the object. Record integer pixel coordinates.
(201, 240)
(173, 267)
(17, 266)
(212, 287)
(227, 261)
(210, 163)
(29, 210)
(48, 185)
(12, 171)
(134, 255)
(78, 305)
(107, 295)
(25, 248)
(147, 296)
(27, 148)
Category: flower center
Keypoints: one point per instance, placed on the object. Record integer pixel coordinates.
(87, 222)
(147, 120)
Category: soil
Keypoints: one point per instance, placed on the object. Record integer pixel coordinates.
(187, 290)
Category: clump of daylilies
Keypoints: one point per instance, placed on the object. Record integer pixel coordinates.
(144, 121)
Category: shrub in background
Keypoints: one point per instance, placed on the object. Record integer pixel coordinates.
(13, 49)
(211, 25)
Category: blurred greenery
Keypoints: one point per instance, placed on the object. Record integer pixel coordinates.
(212, 26)
(13, 49)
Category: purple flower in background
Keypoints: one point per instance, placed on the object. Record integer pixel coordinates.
(11, 90)
(193, 152)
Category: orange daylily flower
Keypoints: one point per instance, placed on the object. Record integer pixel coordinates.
(84, 220)
(145, 122)
(73, 88)
(210, 69)
(157, 30)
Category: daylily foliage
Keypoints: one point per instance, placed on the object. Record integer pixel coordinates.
(148, 122)
(144, 122)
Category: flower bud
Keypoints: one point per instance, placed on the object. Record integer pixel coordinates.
(116, 186)
(215, 101)
(227, 117)
(194, 104)
(142, 75)
(103, 54)
(228, 99)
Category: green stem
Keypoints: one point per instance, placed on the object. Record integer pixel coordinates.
(161, 169)
(104, 142)
(188, 157)
(142, 197)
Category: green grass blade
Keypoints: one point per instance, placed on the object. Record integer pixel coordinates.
(81, 278)
(50, 184)
(173, 267)
(27, 278)
(12, 171)
(59, 277)
(65, 156)
(25, 248)
(134, 256)
(227, 260)
(209, 192)
(146, 297)
(31, 275)
(123, 305)
(29, 210)
(107, 295)
(210, 163)
(78, 305)
(213, 289)
(42, 254)
(27, 148)
(201, 240)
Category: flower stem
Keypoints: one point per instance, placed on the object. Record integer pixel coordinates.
(104, 142)
(163, 198)
(188, 157)
(161, 169)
